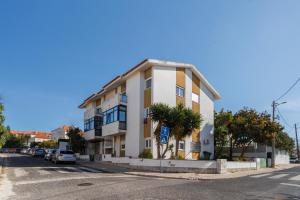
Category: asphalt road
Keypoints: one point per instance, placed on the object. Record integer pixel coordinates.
(33, 178)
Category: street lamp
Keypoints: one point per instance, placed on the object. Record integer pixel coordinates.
(274, 106)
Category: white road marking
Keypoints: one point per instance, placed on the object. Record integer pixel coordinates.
(295, 178)
(290, 184)
(19, 172)
(6, 188)
(62, 171)
(278, 176)
(43, 172)
(74, 169)
(90, 170)
(260, 175)
(71, 178)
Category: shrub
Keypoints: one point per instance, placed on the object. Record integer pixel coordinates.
(146, 154)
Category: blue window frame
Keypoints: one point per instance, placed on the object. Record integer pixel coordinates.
(179, 91)
(117, 113)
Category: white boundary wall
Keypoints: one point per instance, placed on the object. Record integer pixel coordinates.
(206, 166)
(240, 165)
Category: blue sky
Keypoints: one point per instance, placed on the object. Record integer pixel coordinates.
(53, 54)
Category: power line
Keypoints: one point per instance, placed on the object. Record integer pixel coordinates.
(288, 90)
(283, 119)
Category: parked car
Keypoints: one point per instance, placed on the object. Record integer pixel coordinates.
(39, 153)
(294, 160)
(49, 154)
(64, 156)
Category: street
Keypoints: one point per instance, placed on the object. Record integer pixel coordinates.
(31, 178)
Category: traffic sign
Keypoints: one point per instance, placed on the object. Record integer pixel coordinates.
(164, 134)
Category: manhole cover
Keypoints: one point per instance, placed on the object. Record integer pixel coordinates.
(85, 184)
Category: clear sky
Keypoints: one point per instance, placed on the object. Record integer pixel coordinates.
(53, 54)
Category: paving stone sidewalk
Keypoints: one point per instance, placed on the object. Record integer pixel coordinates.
(122, 168)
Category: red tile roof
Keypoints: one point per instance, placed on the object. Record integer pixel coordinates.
(38, 134)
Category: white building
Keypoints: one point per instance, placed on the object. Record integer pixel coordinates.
(60, 132)
(115, 121)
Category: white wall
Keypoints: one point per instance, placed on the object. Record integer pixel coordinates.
(163, 91)
(188, 104)
(134, 135)
(89, 134)
(241, 165)
(282, 157)
(207, 113)
(110, 129)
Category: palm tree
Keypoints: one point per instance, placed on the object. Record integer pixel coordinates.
(159, 113)
(186, 121)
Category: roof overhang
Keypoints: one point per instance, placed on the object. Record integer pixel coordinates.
(144, 65)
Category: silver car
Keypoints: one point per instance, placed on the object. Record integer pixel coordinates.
(49, 154)
(64, 156)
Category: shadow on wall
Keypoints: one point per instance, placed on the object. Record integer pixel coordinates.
(207, 140)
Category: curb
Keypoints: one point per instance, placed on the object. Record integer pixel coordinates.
(190, 178)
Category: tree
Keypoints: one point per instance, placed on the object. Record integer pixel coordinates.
(223, 132)
(13, 141)
(185, 121)
(247, 128)
(159, 114)
(77, 142)
(284, 142)
(50, 144)
(3, 129)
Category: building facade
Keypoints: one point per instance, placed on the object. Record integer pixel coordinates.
(60, 132)
(116, 118)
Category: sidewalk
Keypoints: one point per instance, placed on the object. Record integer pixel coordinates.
(122, 168)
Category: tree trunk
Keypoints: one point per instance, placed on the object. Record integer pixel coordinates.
(244, 149)
(230, 149)
(176, 148)
(158, 147)
(157, 137)
(165, 151)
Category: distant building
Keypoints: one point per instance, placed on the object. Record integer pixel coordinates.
(32, 136)
(61, 132)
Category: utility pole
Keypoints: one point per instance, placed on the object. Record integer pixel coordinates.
(298, 153)
(273, 136)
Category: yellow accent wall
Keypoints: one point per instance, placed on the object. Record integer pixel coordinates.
(180, 77)
(147, 128)
(148, 73)
(195, 84)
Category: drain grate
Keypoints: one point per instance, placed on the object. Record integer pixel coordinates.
(85, 184)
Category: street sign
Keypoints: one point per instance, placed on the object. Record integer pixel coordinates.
(164, 135)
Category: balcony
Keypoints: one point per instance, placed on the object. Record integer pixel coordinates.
(113, 128)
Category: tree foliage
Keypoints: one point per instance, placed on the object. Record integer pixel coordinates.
(49, 144)
(247, 127)
(3, 130)
(77, 142)
(180, 120)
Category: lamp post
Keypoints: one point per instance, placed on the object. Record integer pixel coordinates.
(274, 106)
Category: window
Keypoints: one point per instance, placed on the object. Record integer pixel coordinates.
(179, 91)
(123, 146)
(181, 145)
(146, 112)
(115, 118)
(148, 143)
(148, 83)
(195, 97)
(92, 123)
(117, 113)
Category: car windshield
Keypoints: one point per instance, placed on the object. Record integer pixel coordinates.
(66, 152)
